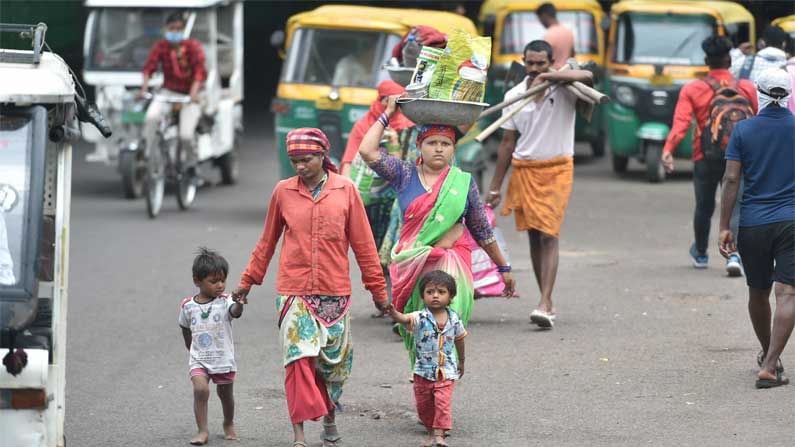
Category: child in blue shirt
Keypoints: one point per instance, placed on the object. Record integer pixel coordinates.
(439, 345)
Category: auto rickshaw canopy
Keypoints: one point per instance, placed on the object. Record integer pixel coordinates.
(725, 12)
(176, 4)
(787, 23)
(367, 18)
(497, 11)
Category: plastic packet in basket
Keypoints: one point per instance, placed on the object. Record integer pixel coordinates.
(426, 65)
(460, 74)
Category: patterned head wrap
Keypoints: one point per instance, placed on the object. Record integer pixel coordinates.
(310, 141)
(428, 130)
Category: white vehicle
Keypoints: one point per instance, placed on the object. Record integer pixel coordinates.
(118, 37)
(39, 113)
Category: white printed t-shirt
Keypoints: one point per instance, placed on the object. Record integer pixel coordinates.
(546, 129)
(212, 346)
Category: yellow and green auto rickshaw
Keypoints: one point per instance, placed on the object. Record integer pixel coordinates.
(333, 63)
(787, 24)
(654, 48)
(513, 24)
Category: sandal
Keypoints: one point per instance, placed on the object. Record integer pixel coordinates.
(760, 358)
(330, 437)
(299, 444)
(772, 383)
(542, 319)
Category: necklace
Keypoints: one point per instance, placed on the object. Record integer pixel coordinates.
(422, 179)
(206, 313)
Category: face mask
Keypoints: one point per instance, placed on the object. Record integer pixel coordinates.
(765, 99)
(173, 36)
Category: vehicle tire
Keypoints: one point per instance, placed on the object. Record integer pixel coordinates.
(655, 171)
(155, 181)
(620, 164)
(598, 146)
(133, 174)
(229, 164)
(186, 189)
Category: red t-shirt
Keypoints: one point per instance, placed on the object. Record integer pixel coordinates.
(694, 98)
(181, 65)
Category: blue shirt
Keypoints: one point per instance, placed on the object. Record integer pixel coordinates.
(435, 348)
(765, 145)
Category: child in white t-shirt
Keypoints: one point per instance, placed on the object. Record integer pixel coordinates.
(206, 322)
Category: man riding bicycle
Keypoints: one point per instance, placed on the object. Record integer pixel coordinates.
(184, 73)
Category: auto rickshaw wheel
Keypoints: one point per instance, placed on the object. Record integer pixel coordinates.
(598, 146)
(133, 171)
(655, 171)
(229, 164)
(620, 164)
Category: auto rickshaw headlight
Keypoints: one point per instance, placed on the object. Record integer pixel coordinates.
(626, 95)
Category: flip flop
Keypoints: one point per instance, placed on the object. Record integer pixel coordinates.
(325, 437)
(772, 383)
(299, 444)
(542, 319)
(760, 358)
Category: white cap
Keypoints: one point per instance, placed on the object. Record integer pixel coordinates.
(773, 78)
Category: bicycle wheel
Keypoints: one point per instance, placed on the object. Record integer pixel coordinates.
(186, 180)
(155, 183)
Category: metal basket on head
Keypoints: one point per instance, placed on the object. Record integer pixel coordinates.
(440, 111)
(401, 75)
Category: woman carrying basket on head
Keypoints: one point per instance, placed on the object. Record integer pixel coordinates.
(438, 201)
(320, 215)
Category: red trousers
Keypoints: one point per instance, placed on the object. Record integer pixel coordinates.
(307, 397)
(434, 402)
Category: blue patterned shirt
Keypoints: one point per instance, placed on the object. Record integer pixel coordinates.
(435, 348)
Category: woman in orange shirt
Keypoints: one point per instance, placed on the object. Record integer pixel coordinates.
(321, 215)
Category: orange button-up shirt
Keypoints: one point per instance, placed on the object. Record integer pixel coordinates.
(317, 235)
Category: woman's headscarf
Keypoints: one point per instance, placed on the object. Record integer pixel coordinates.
(310, 141)
(429, 130)
(398, 121)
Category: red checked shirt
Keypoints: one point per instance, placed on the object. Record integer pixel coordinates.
(694, 98)
(181, 65)
(317, 235)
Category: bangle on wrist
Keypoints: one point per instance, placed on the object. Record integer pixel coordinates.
(504, 268)
(494, 192)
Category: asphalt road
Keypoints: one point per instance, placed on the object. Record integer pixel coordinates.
(646, 351)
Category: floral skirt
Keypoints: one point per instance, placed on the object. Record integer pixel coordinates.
(309, 328)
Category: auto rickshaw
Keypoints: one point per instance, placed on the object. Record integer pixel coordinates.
(39, 112)
(654, 49)
(513, 24)
(118, 37)
(787, 24)
(315, 90)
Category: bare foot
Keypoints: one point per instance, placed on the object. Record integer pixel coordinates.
(200, 438)
(428, 442)
(229, 432)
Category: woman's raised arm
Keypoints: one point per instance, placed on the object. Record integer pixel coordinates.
(369, 148)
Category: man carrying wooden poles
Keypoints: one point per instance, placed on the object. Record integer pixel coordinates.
(538, 141)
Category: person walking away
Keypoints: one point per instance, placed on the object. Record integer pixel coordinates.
(557, 35)
(184, 73)
(539, 143)
(773, 54)
(439, 349)
(762, 151)
(718, 102)
(320, 215)
(206, 322)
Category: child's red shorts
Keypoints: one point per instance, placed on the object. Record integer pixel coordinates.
(218, 379)
(434, 402)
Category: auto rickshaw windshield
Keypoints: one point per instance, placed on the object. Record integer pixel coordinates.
(522, 27)
(122, 37)
(338, 57)
(16, 138)
(638, 39)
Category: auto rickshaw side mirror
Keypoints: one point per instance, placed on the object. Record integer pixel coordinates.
(277, 38)
(605, 23)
